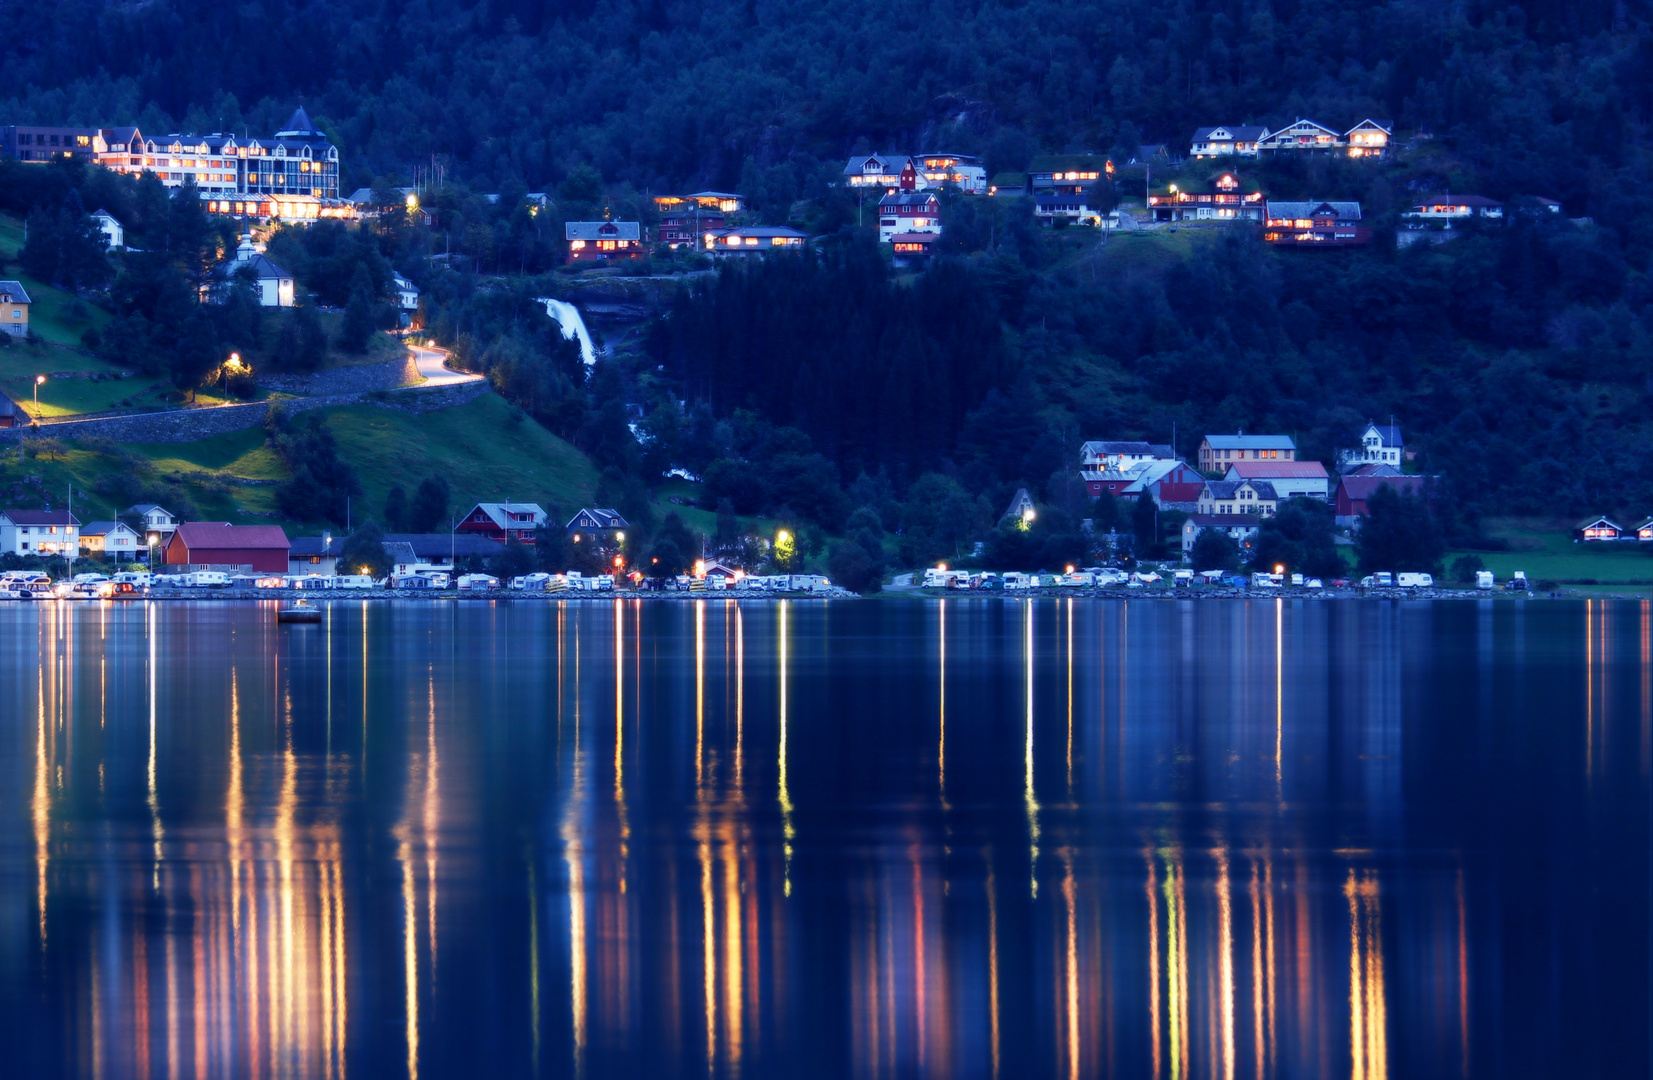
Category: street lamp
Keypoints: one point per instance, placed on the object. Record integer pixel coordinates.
(224, 369)
(38, 379)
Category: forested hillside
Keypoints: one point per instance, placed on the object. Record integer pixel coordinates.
(1541, 95)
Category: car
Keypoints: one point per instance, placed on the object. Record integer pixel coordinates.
(1341, 583)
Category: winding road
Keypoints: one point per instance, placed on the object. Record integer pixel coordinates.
(429, 362)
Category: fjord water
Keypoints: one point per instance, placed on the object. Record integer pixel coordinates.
(969, 838)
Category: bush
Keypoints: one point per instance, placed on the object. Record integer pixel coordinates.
(1465, 567)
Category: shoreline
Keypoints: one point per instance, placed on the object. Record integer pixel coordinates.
(318, 596)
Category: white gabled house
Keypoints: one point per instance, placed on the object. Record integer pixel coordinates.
(114, 540)
(1380, 444)
(39, 532)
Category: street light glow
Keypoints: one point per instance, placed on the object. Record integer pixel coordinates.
(39, 379)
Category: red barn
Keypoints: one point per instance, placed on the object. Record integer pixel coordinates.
(1353, 491)
(261, 548)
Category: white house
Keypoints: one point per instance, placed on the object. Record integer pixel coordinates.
(114, 540)
(39, 532)
(114, 233)
(1121, 455)
(273, 284)
(1238, 140)
(1380, 444)
(407, 293)
(157, 523)
(1242, 529)
(887, 171)
(908, 212)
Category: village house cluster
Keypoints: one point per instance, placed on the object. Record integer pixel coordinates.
(293, 175)
(1242, 479)
(170, 547)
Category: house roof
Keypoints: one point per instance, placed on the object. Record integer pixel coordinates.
(596, 517)
(763, 232)
(915, 238)
(104, 528)
(896, 199)
(1373, 468)
(14, 293)
(263, 267)
(100, 212)
(1388, 433)
(500, 513)
(310, 547)
(1385, 126)
(1145, 473)
(1225, 489)
(144, 508)
(221, 534)
(40, 517)
(1590, 523)
(1360, 488)
(1109, 448)
(298, 125)
(1277, 470)
(400, 551)
(441, 545)
(602, 230)
(1455, 200)
(890, 164)
(1300, 123)
(1311, 207)
(1236, 132)
(1243, 441)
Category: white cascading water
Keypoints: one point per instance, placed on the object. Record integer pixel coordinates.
(568, 317)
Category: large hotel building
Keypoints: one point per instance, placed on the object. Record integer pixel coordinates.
(295, 173)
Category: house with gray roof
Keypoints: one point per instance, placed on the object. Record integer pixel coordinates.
(1217, 452)
(1310, 223)
(1380, 444)
(14, 309)
(1227, 140)
(1256, 497)
(599, 241)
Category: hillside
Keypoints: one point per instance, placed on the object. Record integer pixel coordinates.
(484, 449)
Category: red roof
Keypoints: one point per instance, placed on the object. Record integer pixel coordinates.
(221, 534)
(1360, 488)
(1272, 470)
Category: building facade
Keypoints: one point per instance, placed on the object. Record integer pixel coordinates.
(14, 309)
(595, 241)
(908, 212)
(1225, 198)
(1289, 478)
(1227, 140)
(39, 532)
(1314, 224)
(1217, 452)
(501, 522)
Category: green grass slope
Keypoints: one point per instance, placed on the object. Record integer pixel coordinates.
(485, 449)
(488, 451)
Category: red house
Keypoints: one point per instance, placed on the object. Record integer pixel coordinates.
(1353, 491)
(503, 521)
(261, 548)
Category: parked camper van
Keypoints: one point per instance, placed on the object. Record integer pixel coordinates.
(1484, 580)
(1415, 581)
(354, 581)
(477, 582)
(207, 579)
(1262, 580)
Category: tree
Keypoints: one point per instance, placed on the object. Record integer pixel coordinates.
(357, 330)
(1299, 537)
(1399, 533)
(852, 568)
(363, 552)
(1465, 567)
(321, 483)
(396, 509)
(514, 560)
(428, 509)
(1145, 525)
(1214, 549)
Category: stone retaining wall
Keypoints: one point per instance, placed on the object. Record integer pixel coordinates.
(347, 380)
(188, 425)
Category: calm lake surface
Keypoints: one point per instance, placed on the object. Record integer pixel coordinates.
(973, 838)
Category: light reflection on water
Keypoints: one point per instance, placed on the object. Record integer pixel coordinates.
(966, 838)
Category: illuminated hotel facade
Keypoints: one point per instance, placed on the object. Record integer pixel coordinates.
(296, 168)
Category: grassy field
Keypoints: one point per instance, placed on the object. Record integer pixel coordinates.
(484, 453)
(487, 451)
(54, 315)
(1545, 550)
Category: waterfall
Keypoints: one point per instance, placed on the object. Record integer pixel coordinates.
(568, 317)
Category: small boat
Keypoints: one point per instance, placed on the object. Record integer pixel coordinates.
(301, 612)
